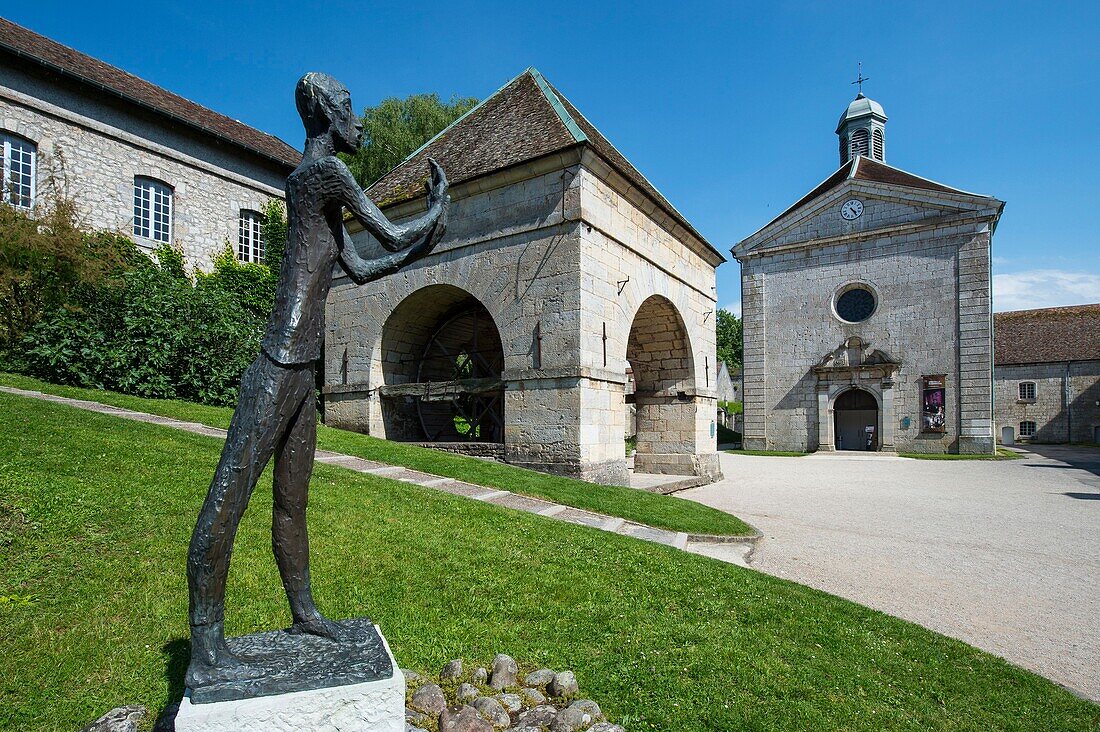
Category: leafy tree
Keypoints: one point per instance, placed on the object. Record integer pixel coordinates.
(397, 127)
(728, 331)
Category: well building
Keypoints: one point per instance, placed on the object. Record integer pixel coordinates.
(562, 268)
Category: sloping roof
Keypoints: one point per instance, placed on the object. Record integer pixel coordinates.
(1047, 335)
(50, 54)
(862, 168)
(525, 119)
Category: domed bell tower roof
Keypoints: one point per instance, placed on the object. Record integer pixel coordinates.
(860, 108)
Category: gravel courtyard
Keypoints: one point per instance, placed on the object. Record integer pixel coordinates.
(1004, 555)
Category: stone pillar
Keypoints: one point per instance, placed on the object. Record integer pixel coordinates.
(666, 435)
(889, 422)
(542, 422)
(603, 426)
(825, 441)
(975, 324)
(755, 376)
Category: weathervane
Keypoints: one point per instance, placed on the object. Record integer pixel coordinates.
(860, 78)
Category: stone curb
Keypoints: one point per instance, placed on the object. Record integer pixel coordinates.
(726, 539)
(497, 497)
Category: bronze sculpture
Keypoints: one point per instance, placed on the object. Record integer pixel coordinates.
(276, 412)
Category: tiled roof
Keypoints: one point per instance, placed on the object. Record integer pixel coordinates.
(61, 59)
(524, 120)
(862, 168)
(1047, 335)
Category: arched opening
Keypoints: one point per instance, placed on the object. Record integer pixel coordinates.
(442, 363)
(860, 143)
(661, 372)
(856, 420)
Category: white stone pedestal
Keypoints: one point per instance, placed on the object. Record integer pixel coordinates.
(375, 706)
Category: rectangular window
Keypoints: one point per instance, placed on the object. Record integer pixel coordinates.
(250, 237)
(1027, 429)
(152, 210)
(1027, 390)
(19, 171)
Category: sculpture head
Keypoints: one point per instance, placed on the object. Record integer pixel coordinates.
(325, 107)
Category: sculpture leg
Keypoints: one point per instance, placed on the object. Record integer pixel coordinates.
(270, 397)
(289, 536)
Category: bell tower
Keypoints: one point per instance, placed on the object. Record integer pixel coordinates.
(862, 127)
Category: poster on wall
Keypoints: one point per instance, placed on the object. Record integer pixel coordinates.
(933, 404)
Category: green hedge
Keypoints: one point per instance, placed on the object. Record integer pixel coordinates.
(90, 309)
(157, 333)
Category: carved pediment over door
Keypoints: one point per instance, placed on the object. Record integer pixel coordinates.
(856, 354)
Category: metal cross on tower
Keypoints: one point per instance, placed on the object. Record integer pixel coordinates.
(860, 78)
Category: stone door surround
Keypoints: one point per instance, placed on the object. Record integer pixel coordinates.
(855, 365)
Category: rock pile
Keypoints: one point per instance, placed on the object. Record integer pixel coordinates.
(496, 699)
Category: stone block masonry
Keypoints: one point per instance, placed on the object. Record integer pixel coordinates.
(95, 147)
(925, 258)
(580, 283)
(1066, 407)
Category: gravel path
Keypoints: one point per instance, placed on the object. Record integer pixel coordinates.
(1004, 555)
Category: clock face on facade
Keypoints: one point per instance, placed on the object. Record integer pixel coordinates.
(852, 209)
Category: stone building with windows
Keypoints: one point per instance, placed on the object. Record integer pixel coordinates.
(1046, 375)
(867, 310)
(136, 158)
(562, 267)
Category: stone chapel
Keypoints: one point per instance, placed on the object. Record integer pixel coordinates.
(566, 290)
(867, 310)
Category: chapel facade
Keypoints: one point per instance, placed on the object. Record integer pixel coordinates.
(567, 302)
(867, 310)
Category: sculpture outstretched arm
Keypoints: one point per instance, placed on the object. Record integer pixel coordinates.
(362, 271)
(397, 237)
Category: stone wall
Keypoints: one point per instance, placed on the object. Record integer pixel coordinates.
(98, 147)
(630, 259)
(1065, 408)
(931, 281)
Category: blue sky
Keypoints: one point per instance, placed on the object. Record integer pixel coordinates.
(728, 108)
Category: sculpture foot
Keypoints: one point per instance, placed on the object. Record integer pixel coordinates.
(227, 668)
(324, 628)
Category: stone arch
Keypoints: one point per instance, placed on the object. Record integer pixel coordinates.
(442, 363)
(662, 389)
(853, 409)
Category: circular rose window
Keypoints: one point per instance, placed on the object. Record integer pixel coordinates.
(856, 304)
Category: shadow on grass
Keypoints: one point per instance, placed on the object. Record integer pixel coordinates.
(178, 655)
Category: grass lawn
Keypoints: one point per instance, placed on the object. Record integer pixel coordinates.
(95, 515)
(1002, 454)
(648, 508)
